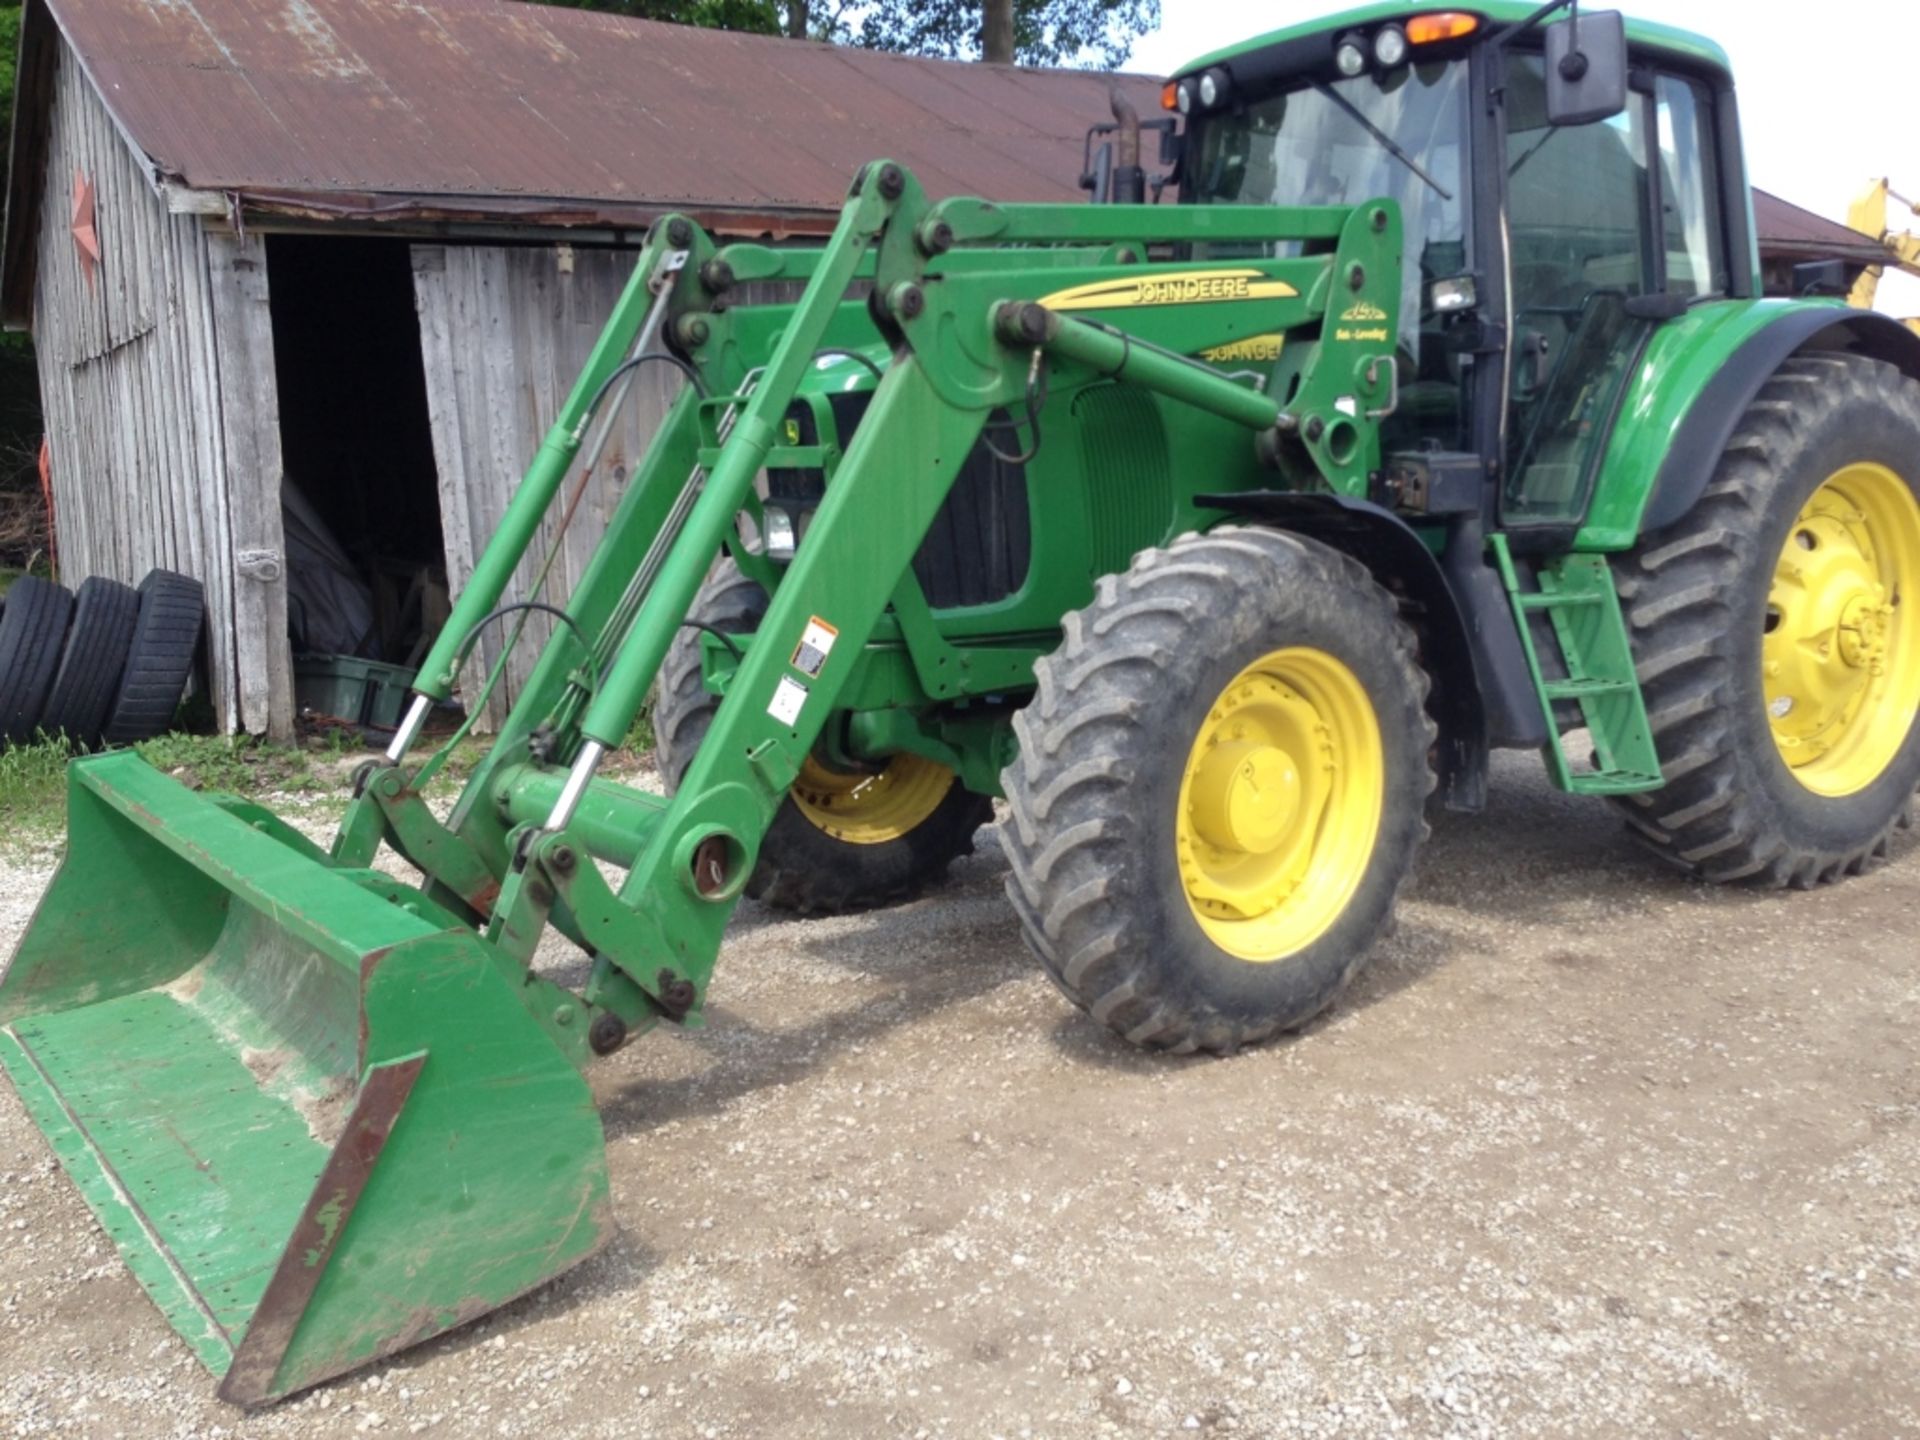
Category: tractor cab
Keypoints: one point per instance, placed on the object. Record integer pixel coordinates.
(1568, 185)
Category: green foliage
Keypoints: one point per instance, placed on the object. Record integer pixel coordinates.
(33, 789)
(1083, 33)
(640, 738)
(33, 778)
(9, 58)
(10, 573)
(238, 764)
(19, 380)
(760, 17)
(1095, 33)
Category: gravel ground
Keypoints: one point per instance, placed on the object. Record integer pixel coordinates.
(1589, 1151)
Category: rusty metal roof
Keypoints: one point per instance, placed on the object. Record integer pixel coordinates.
(1787, 230)
(489, 108)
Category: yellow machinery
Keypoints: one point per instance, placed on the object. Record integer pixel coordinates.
(1868, 215)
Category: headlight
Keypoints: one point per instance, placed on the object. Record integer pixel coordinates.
(1350, 58)
(1183, 98)
(1213, 88)
(1390, 46)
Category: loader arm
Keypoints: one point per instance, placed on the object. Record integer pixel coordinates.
(974, 299)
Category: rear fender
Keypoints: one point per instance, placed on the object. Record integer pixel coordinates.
(1695, 382)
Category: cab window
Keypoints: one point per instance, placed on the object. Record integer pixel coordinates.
(1695, 234)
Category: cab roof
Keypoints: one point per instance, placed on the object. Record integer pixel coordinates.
(1682, 44)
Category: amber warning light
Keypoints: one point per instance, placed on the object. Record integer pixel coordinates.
(1444, 25)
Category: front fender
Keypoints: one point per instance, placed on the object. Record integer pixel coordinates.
(1450, 640)
(1695, 380)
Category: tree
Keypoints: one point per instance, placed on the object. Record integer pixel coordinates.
(1096, 33)
(997, 46)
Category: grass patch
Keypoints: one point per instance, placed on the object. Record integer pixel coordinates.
(33, 786)
(640, 738)
(8, 574)
(241, 764)
(33, 778)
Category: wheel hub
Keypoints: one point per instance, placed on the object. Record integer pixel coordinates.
(1246, 796)
(871, 807)
(1280, 803)
(1865, 626)
(1841, 650)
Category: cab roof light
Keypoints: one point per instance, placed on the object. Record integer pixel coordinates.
(1441, 25)
(1170, 96)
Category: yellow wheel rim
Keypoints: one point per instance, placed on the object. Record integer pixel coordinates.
(871, 807)
(1280, 804)
(1841, 648)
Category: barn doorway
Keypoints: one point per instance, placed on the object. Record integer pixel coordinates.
(367, 584)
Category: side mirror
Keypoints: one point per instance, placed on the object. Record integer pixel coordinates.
(1821, 277)
(1586, 68)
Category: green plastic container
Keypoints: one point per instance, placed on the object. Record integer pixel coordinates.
(361, 692)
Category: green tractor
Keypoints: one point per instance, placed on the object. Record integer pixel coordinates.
(1216, 538)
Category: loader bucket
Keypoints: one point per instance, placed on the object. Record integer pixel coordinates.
(308, 1106)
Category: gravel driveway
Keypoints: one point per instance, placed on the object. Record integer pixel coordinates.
(1589, 1151)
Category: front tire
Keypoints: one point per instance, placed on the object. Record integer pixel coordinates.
(846, 839)
(1220, 789)
(1776, 631)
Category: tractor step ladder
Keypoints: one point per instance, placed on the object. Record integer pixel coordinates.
(1576, 595)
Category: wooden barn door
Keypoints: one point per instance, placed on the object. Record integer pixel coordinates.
(503, 333)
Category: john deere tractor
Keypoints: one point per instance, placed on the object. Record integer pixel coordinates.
(1426, 404)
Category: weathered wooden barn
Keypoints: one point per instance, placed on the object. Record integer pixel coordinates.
(361, 248)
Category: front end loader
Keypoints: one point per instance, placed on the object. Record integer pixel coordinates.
(1214, 538)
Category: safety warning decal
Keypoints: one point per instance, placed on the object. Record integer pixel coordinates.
(816, 643)
(788, 696)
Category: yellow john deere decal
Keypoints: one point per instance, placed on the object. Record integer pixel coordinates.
(1254, 347)
(1362, 312)
(1195, 287)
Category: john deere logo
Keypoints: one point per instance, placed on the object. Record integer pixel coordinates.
(1195, 287)
(1362, 312)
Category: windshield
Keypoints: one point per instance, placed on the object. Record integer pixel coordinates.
(1318, 145)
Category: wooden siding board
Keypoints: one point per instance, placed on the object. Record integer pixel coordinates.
(146, 450)
(505, 332)
(250, 430)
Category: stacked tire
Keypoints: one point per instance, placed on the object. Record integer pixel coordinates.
(104, 666)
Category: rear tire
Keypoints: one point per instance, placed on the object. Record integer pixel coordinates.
(1167, 897)
(1729, 610)
(165, 637)
(804, 866)
(98, 642)
(33, 627)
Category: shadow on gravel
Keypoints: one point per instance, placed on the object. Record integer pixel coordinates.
(739, 1057)
(1414, 953)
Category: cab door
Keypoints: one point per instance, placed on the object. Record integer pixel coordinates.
(1609, 226)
